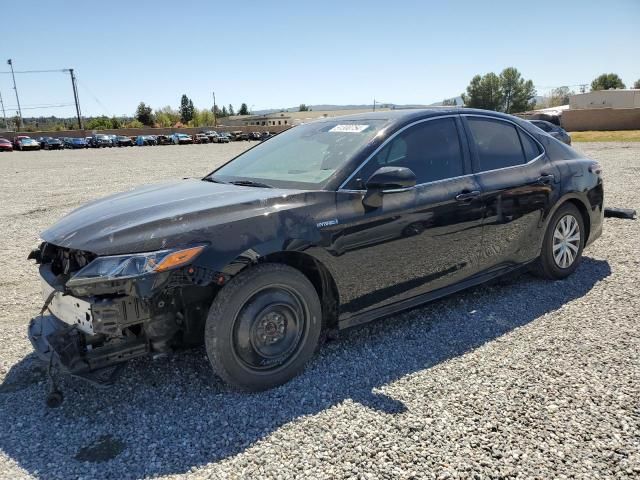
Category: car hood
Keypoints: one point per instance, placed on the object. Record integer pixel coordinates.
(161, 216)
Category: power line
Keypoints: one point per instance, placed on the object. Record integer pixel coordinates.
(106, 110)
(63, 70)
(48, 106)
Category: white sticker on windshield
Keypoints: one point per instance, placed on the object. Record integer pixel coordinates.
(349, 128)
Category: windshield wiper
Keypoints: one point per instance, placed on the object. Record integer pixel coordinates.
(250, 183)
(212, 180)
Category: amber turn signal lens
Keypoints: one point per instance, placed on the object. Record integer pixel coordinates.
(177, 259)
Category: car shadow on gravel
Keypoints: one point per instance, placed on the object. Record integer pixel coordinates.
(172, 415)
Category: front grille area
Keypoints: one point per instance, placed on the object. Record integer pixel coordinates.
(64, 261)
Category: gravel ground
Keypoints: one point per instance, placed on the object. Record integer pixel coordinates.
(523, 378)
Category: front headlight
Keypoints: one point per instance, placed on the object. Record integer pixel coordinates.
(134, 265)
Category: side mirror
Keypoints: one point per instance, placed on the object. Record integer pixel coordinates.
(387, 180)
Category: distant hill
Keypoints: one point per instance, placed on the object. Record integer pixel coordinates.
(329, 107)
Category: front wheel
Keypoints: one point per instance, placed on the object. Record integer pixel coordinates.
(563, 243)
(263, 327)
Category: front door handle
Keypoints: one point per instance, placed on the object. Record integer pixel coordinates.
(546, 178)
(466, 196)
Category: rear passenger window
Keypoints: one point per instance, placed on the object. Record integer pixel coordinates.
(430, 149)
(497, 143)
(531, 148)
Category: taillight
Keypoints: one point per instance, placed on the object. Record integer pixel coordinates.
(596, 168)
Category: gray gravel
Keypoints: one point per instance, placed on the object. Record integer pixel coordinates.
(523, 378)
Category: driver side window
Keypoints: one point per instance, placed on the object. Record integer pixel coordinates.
(430, 149)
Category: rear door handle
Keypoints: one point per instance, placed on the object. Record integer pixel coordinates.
(465, 196)
(546, 178)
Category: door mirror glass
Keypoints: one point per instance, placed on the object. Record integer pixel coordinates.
(387, 179)
(391, 178)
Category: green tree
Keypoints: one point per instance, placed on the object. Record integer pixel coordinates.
(167, 116)
(560, 96)
(144, 114)
(115, 123)
(135, 123)
(607, 81)
(303, 108)
(636, 84)
(449, 102)
(231, 111)
(484, 92)
(202, 118)
(244, 110)
(518, 94)
(508, 92)
(187, 110)
(99, 123)
(224, 111)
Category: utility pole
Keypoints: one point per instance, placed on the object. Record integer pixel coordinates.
(215, 119)
(10, 63)
(374, 104)
(4, 115)
(75, 97)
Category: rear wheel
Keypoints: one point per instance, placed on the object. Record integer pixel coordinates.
(263, 327)
(563, 243)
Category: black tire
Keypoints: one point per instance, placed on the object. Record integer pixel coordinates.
(546, 265)
(263, 327)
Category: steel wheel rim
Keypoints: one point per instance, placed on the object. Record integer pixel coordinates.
(566, 241)
(270, 328)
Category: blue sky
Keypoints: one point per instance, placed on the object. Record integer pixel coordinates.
(273, 54)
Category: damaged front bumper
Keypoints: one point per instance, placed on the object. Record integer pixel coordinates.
(66, 348)
(94, 328)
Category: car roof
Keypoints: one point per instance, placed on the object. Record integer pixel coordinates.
(401, 116)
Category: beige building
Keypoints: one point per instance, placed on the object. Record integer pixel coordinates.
(618, 98)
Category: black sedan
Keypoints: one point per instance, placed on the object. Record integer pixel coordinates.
(122, 141)
(555, 131)
(327, 225)
(100, 141)
(50, 143)
(75, 142)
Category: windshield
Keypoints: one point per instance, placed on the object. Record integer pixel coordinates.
(305, 156)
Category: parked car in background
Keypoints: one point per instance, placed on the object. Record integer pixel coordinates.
(122, 141)
(5, 145)
(163, 140)
(555, 131)
(221, 137)
(75, 142)
(201, 138)
(210, 134)
(16, 141)
(28, 143)
(50, 143)
(261, 255)
(181, 139)
(100, 141)
(239, 135)
(146, 140)
(255, 136)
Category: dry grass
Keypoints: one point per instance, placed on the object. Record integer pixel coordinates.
(612, 136)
